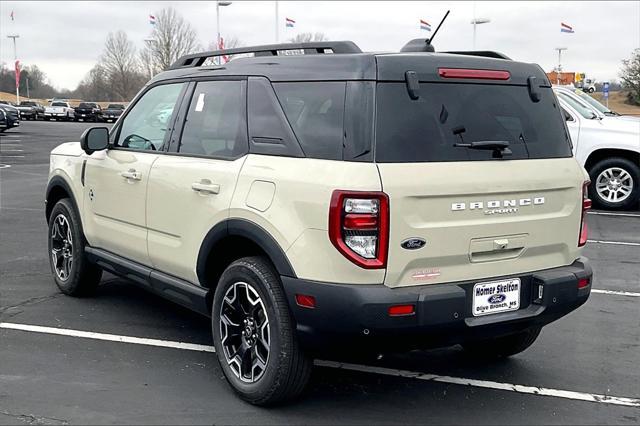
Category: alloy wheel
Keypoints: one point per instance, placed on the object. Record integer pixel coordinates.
(614, 185)
(62, 247)
(244, 332)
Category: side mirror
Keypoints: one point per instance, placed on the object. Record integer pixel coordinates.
(94, 139)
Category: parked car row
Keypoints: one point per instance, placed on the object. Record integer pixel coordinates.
(9, 117)
(60, 109)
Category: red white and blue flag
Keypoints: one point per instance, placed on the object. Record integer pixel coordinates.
(289, 22)
(424, 25)
(152, 19)
(564, 28)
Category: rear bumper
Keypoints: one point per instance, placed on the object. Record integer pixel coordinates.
(358, 314)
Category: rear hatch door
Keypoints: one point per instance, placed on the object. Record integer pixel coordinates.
(462, 214)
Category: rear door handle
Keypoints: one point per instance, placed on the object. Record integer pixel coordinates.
(131, 174)
(205, 187)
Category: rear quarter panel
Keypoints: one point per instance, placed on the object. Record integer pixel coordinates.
(290, 197)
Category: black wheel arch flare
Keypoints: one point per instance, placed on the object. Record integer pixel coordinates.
(246, 229)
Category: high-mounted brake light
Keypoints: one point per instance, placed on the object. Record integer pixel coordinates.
(359, 227)
(474, 74)
(586, 205)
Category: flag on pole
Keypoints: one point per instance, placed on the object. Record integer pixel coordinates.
(564, 28)
(17, 73)
(225, 58)
(152, 19)
(424, 25)
(289, 23)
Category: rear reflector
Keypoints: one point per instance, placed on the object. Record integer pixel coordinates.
(586, 205)
(306, 301)
(473, 74)
(401, 310)
(583, 282)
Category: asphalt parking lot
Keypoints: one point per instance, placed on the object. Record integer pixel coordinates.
(126, 356)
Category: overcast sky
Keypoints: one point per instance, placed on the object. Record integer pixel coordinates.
(65, 39)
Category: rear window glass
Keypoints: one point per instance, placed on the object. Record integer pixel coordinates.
(59, 104)
(316, 114)
(425, 130)
(86, 105)
(115, 106)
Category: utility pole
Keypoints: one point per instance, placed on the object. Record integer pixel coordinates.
(277, 24)
(15, 58)
(28, 97)
(559, 49)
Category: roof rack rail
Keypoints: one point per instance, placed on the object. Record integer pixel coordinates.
(316, 47)
(485, 53)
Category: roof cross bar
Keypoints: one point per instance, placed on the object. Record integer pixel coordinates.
(316, 47)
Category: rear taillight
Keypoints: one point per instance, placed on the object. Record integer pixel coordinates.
(359, 227)
(586, 205)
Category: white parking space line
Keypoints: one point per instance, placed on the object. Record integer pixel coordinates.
(614, 243)
(613, 214)
(531, 390)
(107, 337)
(615, 292)
(9, 150)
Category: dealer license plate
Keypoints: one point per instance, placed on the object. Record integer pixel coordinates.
(496, 296)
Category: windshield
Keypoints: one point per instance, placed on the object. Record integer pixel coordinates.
(594, 103)
(59, 104)
(115, 106)
(27, 103)
(426, 129)
(580, 107)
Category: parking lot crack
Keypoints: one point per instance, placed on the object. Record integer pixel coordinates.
(13, 310)
(32, 419)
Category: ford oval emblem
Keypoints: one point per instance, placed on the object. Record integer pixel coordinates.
(413, 243)
(497, 298)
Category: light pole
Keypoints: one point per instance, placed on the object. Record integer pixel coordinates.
(475, 22)
(559, 49)
(149, 41)
(218, 4)
(15, 59)
(277, 24)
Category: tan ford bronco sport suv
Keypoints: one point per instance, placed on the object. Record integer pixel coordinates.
(332, 200)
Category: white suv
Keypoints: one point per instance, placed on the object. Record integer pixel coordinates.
(341, 202)
(608, 146)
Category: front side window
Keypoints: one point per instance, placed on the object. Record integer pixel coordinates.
(146, 125)
(316, 112)
(216, 124)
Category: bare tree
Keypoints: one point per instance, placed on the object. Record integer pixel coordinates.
(630, 76)
(172, 37)
(119, 62)
(308, 37)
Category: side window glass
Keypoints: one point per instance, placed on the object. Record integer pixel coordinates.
(146, 125)
(216, 122)
(316, 113)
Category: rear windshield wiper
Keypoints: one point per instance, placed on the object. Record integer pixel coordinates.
(499, 148)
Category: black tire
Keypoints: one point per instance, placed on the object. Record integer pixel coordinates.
(82, 276)
(502, 347)
(287, 367)
(615, 163)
